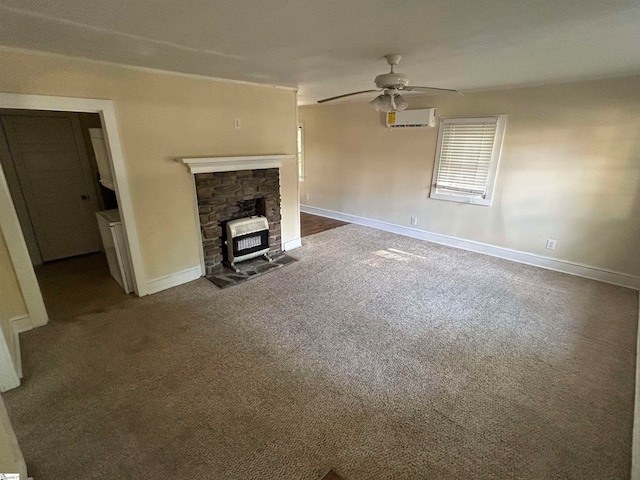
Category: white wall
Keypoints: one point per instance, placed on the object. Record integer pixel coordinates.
(161, 117)
(570, 170)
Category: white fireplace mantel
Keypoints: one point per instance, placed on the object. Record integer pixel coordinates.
(228, 164)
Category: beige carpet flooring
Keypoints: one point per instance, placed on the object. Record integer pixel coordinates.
(378, 355)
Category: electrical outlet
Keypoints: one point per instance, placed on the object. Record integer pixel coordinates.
(237, 123)
(306, 196)
(551, 244)
(414, 220)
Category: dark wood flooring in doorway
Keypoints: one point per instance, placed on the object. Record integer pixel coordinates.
(77, 285)
(310, 224)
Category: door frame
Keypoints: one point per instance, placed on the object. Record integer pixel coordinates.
(37, 313)
(19, 196)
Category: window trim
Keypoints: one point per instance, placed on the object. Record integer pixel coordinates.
(501, 124)
(300, 156)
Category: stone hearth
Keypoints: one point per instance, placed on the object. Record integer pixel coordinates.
(225, 196)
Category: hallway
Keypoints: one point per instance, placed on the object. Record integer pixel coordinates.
(77, 285)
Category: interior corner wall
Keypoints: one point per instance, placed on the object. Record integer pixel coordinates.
(11, 302)
(570, 170)
(161, 117)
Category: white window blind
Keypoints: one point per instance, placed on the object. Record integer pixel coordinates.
(467, 159)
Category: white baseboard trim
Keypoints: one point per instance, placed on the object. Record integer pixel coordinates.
(290, 245)
(9, 377)
(564, 266)
(173, 280)
(22, 323)
(19, 324)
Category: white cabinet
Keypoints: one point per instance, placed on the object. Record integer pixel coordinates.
(102, 157)
(115, 247)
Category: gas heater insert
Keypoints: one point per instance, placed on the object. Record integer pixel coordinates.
(247, 238)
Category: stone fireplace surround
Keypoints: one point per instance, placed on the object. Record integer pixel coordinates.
(227, 188)
(225, 196)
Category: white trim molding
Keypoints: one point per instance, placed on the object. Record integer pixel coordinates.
(160, 71)
(564, 266)
(9, 220)
(291, 244)
(19, 324)
(19, 254)
(635, 446)
(229, 164)
(173, 280)
(9, 377)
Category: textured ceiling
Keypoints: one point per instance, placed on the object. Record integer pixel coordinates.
(328, 47)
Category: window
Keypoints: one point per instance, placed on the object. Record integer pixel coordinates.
(300, 153)
(467, 159)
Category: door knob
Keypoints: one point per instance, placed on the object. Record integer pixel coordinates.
(84, 197)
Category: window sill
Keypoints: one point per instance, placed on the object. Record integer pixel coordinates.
(485, 202)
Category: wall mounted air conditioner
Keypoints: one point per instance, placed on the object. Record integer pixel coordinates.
(423, 117)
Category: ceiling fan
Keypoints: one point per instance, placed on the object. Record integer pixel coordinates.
(391, 84)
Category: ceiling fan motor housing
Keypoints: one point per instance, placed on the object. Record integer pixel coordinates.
(392, 80)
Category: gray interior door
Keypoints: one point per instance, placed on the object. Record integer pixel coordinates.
(55, 178)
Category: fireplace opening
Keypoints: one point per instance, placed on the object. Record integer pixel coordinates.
(225, 197)
(247, 238)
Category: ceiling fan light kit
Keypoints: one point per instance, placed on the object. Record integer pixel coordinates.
(389, 102)
(390, 85)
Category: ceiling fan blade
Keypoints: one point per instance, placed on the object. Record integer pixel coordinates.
(345, 95)
(431, 90)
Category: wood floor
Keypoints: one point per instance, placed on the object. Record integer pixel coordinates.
(310, 224)
(78, 285)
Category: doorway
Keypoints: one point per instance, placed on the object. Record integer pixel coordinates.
(62, 194)
(35, 313)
